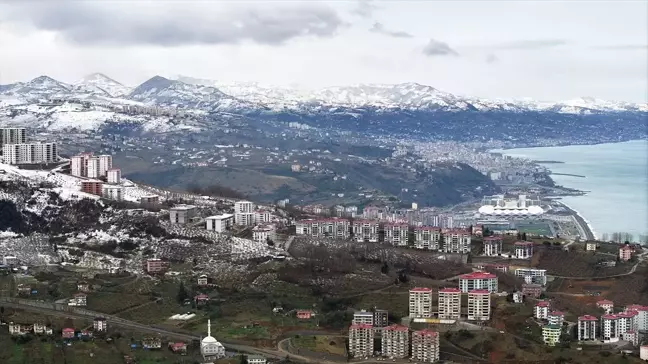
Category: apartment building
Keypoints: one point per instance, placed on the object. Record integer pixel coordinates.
(105, 164)
(531, 290)
(626, 321)
(30, 153)
(610, 328)
(262, 217)
(92, 167)
(263, 233)
(541, 310)
(641, 321)
(551, 334)
(625, 253)
(244, 213)
(492, 246)
(112, 192)
(113, 175)
(12, 136)
(93, 187)
(478, 280)
(361, 341)
(556, 318)
(381, 318)
(532, 275)
(456, 241)
(587, 325)
(427, 237)
(523, 249)
(331, 227)
(420, 302)
(363, 317)
(479, 305)
(220, 223)
(395, 342)
(155, 265)
(425, 346)
(396, 234)
(449, 303)
(182, 214)
(607, 305)
(365, 231)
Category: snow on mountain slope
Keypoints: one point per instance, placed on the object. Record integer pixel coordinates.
(41, 87)
(98, 82)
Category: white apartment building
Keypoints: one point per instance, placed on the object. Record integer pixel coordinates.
(425, 346)
(262, 217)
(77, 166)
(256, 359)
(263, 233)
(427, 237)
(244, 213)
(361, 341)
(420, 302)
(478, 280)
(105, 163)
(551, 334)
(556, 318)
(12, 136)
(113, 176)
(610, 328)
(396, 234)
(541, 310)
(220, 223)
(532, 275)
(479, 305)
(395, 342)
(456, 241)
(626, 321)
(182, 214)
(449, 303)
(31, 153)
(92, 167)
(333, 227)
(365, 231)
(112, 192)
(607, 305)
(523, 249)
(587, 325)
(641, 320)
(492, 246)
(363, 318)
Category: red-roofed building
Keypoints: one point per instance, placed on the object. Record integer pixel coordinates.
(478, 280)
(625, 252)
(178, 347)
(523, 249)
(420, 302)
(479, 305)
(67, 333)
(556, 318)
(395, 342)
(587, 327)
(331, 227)
(541, 310)
(610, 328)
(449, 303)
(396, 234)
(304, 314)
(201, 299)
(641, 321)
(531, 290)
(366, 231)
(607, 305)
(427, 237)
(361, 341)
(425, 346)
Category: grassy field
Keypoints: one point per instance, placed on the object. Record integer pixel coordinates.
(321, 344)
(112, 303)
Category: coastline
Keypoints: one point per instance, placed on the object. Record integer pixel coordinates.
(585, 226)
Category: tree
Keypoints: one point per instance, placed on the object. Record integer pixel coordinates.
(385, 268)
(243, 359)
(182, 293)
(524, 236)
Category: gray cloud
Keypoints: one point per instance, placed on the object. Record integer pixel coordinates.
(364, 9)
(380, 29)
(530, 44)
(491, 58)
(438, 48)
(90, 23)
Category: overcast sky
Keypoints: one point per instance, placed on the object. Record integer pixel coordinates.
(548, 50)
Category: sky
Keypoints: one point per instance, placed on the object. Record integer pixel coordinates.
(545, 50)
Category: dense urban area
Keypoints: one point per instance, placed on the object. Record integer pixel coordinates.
(173, 230)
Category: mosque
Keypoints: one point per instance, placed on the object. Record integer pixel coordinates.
(210, 348)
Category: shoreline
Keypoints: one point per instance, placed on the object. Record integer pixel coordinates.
(585, 225)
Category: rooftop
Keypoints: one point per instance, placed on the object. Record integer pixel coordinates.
(479, 291)
(542, 304)
(587, 318)
(609, 317)
(556, 313)
(493, 238)
(449, 290)
(478, 275)
(604, 302)
(361, 326)
(396, 328)
(421, 289)
(426, 332)
(220, 217)
(523, 243)
(183, 207)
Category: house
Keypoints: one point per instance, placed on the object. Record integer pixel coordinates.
(518, 297)
(24, 290)
(152, 343)
(79, 299)
(625, 252)
(531, 290)
(203, 280)
(607, 305)
(256, 359)
(100, 324)
(67, 333)
(85, 334)
(304, 314)
(590, 246)
(83, 286)
(178, 347)
(40, 328)
(201, 299)
(19, 329)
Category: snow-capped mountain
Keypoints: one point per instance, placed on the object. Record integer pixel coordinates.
(99, 83)
(38, 88)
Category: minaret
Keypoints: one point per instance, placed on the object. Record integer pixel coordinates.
(208, 327)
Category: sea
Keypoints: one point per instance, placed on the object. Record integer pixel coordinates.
(615, 176)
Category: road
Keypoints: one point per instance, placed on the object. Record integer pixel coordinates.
(640, 259)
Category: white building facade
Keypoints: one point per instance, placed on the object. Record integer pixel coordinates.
(244, 213)
(420, 302)
(479, 305)
(31, 153)
(449, 303)
(478, 280)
